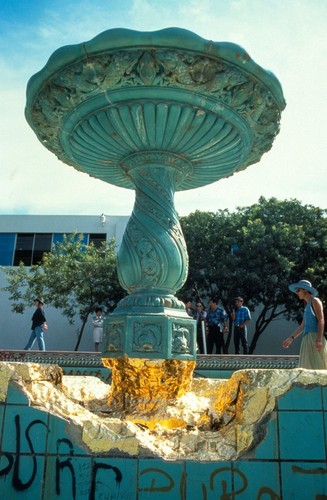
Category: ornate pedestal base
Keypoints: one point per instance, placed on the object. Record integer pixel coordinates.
(155, 336)
(143, 386)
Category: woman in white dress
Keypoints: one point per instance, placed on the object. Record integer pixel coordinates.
(97, 321)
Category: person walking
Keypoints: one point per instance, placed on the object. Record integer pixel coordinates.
(313, 349)
(240, 317)
(38, 326)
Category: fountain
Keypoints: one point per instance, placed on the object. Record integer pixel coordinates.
(156, 112)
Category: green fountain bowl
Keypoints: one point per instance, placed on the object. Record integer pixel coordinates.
(167, 97)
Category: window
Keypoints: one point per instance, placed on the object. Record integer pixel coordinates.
(42, 244)
(97, 239)
(31, 247)
(23, 250)
(7, 245)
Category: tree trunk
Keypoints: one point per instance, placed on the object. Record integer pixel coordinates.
(229, 338)
(262, 323)
(81, 332)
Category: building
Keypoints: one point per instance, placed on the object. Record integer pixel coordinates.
(25, 238)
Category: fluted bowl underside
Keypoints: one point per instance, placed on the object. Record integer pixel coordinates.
(123, 93)
(212, 144)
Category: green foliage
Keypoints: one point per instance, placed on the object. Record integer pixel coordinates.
(256, 252)
(73, 277)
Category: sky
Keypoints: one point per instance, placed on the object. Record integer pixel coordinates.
(287, 37)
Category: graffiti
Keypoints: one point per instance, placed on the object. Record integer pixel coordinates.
(317, 470)
(265, 491)
(90, 487)
(63, 464)
(162, 483)
(97, 466)
(14, 461)
(65, 457)
(225, 495)
(72, 474)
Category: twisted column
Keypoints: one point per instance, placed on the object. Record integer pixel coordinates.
(152, 259)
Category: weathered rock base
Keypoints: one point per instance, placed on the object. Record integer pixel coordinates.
(214, 420)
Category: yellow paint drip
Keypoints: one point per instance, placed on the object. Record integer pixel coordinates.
(154, 423)
(144, 386)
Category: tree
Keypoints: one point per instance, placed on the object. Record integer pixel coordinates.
(73, 277)
(256, 252)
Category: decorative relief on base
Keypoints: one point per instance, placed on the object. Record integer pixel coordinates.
(114, 336)
(147, 337)
(181, 339)
(152, 300)
(158, 336)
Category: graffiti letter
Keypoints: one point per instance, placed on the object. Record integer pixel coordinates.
(225, 495)
(96, 467)
(264, 491)
(17, 482)
(153, 486)
(7, 469)
(60, 465)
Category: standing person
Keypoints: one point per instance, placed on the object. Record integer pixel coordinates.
(217, 320)
(97, 321)
(313, 350)
(241, 317)
(188, 308)
(38, 326)
(200, 317)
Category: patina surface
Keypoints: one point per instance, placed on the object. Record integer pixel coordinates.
(130, 98)
(156, 112)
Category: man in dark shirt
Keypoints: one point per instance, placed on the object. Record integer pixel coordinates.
(38, 324)
(200, 317)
